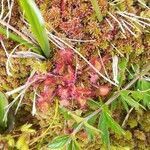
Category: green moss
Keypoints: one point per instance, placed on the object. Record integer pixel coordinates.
(122, 6)
(139, 135)
(128, 135)
(132, 123)
(145, 121)
(40, 67)
(137, 126)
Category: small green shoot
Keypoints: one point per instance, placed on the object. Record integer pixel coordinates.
(97, 10)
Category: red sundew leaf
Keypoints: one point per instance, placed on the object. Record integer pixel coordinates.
(72, 90)
(94, 78)
(70, 76)
(37, 78)
(82, 102)
(66, 56)
(1, 37)
(82, 93)
(64, 103)
(68, 129)
(111, 34)
(104, 90)
(43, 106)
(50, 81)
(106, 58)
(83, 135)
(43, 97)
(96, 63)
(59, 68)
(47, 94)
(63, 6)
(63, 92)
(73, 28)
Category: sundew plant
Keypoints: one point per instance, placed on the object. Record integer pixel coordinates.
(74, 74)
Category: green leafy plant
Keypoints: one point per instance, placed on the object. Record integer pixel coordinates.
(3, 104)
(129, 98)
(73, 145)
(106, 122)
(143, 88)
(88, 123)
(37, 24)
(21, 142)
(59, 142)
(96, 119)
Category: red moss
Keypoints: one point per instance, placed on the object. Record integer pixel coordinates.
(73, 28)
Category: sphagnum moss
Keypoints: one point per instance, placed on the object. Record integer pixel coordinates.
(137, 49)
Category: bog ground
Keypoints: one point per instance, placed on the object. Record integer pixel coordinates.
(74, 74)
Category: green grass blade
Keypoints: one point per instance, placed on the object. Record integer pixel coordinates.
(97, 10)
(3, 104)
(37, 24)
(13, 36)
(18, 39)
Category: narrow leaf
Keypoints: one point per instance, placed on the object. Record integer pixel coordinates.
(3, 104)
(92, 128)
(73, 145)
(106, 122)
(137, 95)
(69, 145)
(18, 39)
(113, 124)
(123, 64)
(125, 105)
(90, 133)
(130, 100)
(103, 126)
(58, 142)
(93, 104)
(36, 21)
(143, 85)
(122, 67)
(76, 145)
(92, 120)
